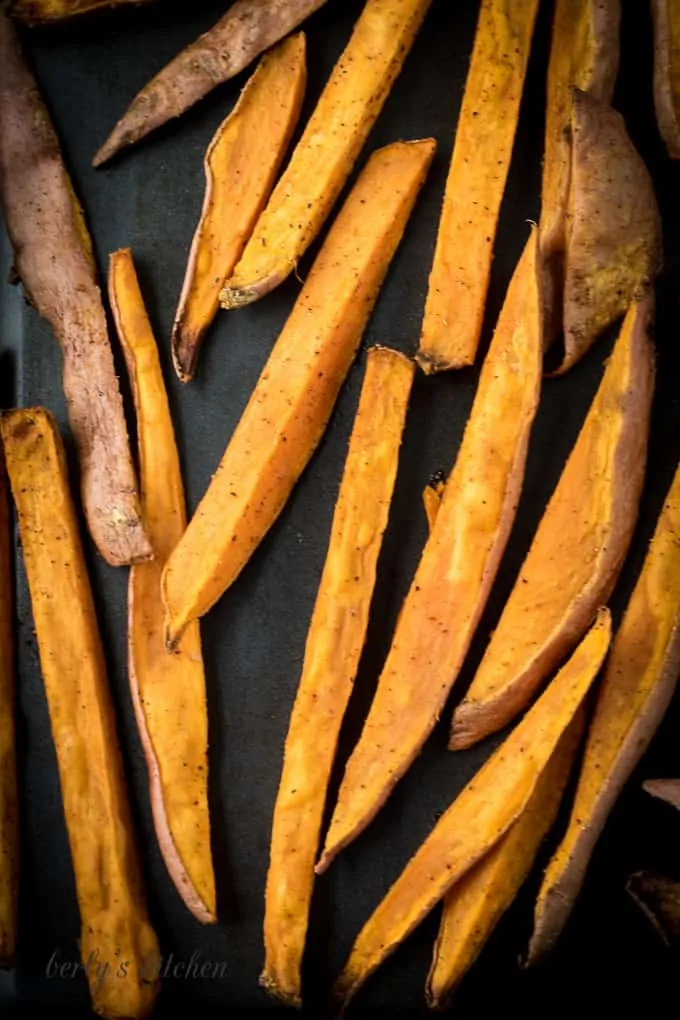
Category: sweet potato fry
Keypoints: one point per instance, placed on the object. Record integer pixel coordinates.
(457, 566)
(39, 12)
(666, 16)
(481, 814)
(432, 500)
(295, 394)
(53, 254)
(247, 29)
(168, 689)
(325, 155)
(580, 544)
(638, 683)
(241, 165)
(334, 644)
(664, 789)
(459, 280)
(115, 926)
(9, 815)
(659, 900)
(473, 907)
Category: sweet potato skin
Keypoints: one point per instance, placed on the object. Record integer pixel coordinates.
(247, 29)
(579, 546)
(39, 12)
(53, 257)
(241, 165)
(330, 144)
(638, 683)
(485, 135)
(168, 690)
(9, 813)
(113, 915)
(295, 394)
(334, 644)
(666, 19)
(457, 566)
(664, 789)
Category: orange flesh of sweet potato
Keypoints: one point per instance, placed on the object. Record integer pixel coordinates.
(53, 256)
(481, 814)
(334, 644)
(457, 567)
(580, 544)
(638, 683)
(247, 29)
(659, 900)
(432, 500)
(168, 689)
(37, 12)
(664, 789)
(666, 15)
(241, 165)
(295, 394)
(325, 155)
(115, 925)
(9, 816)
(485, 135)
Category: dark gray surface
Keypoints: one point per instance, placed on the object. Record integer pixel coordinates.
(149, 199)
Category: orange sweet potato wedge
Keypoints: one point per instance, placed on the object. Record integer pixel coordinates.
(168, 689)
(9, 813)
(328, 149)
(457, 566)
(295, 394)
(664, 789)
(334, 644)
(485, 135)
(580, 544)
(115, 927)
(638, 683)
(666, 16)
(40, 12)
(241, 165)
(481, 814)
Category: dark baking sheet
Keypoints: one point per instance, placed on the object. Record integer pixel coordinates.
(254, 639)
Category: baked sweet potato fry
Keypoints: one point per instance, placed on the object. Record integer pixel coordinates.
(457, 566)
(664, 789)
(638, 683)
(334, 644)
(580, 545)
(328, 149)
(241, 165)
(485, 136)
(168, 689)
(247, 29)
(9, 814)
(659, 900)
(295, 394)
(114, 924)
(432, 500)
(666, 16)
(39, 12)
(53, 257)
(480, 816)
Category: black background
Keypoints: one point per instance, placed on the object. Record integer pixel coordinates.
(150, 199)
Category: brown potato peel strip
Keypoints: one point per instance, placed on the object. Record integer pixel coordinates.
(9, 809)
(666, 16)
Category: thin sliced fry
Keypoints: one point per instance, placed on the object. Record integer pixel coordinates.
(38, 12)
(664, 789)
(666, 15)
(432, 500)
(9, 812)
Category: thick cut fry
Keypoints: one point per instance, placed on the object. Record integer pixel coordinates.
(580, 544)
(457, 567)
(659, 900)
(432, 500)
(168, 689)
(456, 297)
(295, 394)
(473, 907)
(334, 644)
(638, 683)
(53, 256)
(247, 29)
(115, 926)
(38, 12)
(613, 226)
(666, 15)
(241, 165)
(664, 789)
(9, 815)
(585, 54)
(481, 814)
(325, 155)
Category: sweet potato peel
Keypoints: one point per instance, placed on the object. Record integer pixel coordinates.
(9, 813)
(331, 142)
(480, 816)
(457, 567)
(39, 12)
(485, 135)
(334, 644)
(241, 165)
(580, 544)
(664, 789)
(666, 16)
(638, 683)
(295, 394)
(114, 923)
(168, 689)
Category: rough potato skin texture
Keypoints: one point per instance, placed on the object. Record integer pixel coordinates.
(666, 15)
(53, 257)
(247, 29)
(38, 12)
(9, 814)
